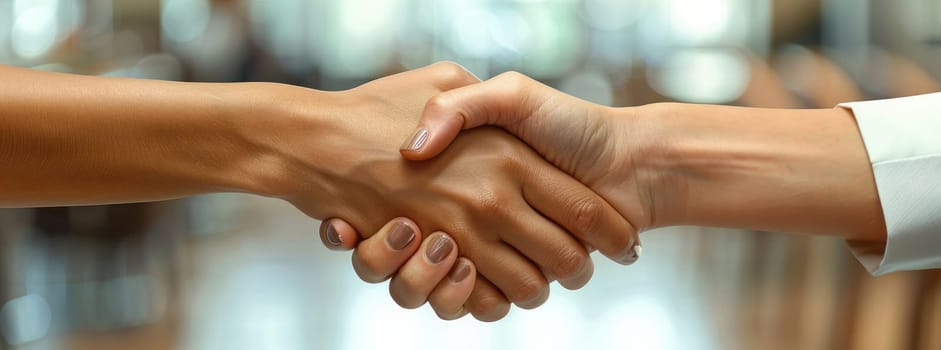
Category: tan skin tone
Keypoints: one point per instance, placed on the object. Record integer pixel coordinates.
(799, 171)
(782, 170)
(88, 140)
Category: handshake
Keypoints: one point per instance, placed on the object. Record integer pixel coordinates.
(468, 217)
(473, 220)
(484, 218)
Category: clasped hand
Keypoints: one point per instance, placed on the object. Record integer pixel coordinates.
(474, 222)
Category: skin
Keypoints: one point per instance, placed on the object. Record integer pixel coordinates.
(442, 284)
(75, 140)
(798, 171)
(781, 170)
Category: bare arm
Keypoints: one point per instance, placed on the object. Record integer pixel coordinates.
(799, 171)
(783, 170)
(69, 139)
(79, 140)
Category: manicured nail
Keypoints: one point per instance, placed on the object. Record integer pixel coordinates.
(631, 255)
(330, 233)
(400, 236)
(417, 141)
(439, 249)
(460, 271)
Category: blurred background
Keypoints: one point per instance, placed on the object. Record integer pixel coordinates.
(232, 271)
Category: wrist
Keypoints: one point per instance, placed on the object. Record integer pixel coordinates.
(264, 123)
(799, 171)
(640, 182)
(656, 149)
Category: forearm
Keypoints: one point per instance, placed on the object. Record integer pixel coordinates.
(800, 171)
(69, 139)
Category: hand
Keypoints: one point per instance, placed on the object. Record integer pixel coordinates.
(781, 170)
(416, 276)
(577, 136)
(511, 213)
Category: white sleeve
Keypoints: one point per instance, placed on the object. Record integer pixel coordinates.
(903, 138)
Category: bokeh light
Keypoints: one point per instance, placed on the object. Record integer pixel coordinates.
(234, 271)
(25, 319)
(702, 75)
(35, 27)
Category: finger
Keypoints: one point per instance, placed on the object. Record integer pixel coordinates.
(486, 302)
(504, 101)
(415, 280)
(337, 234)
(521, 281)
(559, 255)
(379, 256)
(578, 280)
(588, 246)
(449, 297)
(583, 213)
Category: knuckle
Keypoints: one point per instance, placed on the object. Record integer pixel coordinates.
(405, 294)
(369, 277)
(513, 84)
(511, 159)
(446, 312)
(526, 290)
(490, 198)
(407, 303)
(451, 72)
(451, 317)
(621, 242)
(438, 102)
(506, 155)
(586, 214)
(488, 308)
(516, 84)
(489, 202)
(366, 268)
(495, 316)
(569, 262)
(513, 78)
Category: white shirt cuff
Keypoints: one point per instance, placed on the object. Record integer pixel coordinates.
(903, 139)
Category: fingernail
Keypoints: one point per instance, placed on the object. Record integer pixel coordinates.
(333, 238)
(460, 271)
(400, 236)
(439, 249)
(631, 255)
(417, 141)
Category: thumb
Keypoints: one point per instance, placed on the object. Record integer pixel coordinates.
(505, 101)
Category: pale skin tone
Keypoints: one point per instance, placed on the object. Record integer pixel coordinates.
(781, 170)
(518, 220)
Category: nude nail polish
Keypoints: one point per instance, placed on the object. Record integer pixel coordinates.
(460, 271)
(417, 141)
(631, 255)
(400, 236)
(331, 235)
(439, 249)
